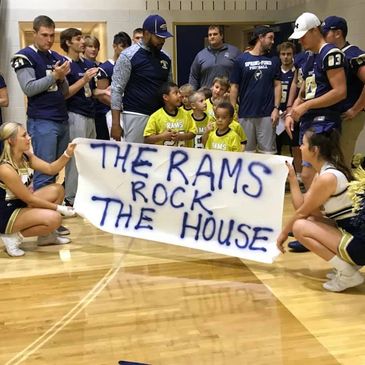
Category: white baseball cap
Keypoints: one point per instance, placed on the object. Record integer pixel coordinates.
(305, 22)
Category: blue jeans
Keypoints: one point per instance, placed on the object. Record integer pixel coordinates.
(49, 141)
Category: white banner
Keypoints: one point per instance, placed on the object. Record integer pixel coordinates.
(225, 202)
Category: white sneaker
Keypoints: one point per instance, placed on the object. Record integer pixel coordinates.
(11, 243)
(331, 274)
(342, 282)
(52, 239)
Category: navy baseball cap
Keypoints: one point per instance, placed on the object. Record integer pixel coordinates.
(334, 22)
(155, 24)
(259, 30)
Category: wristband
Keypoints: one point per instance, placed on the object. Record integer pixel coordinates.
(66, 155)
(276, 107)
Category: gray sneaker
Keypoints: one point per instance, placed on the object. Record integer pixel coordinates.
(62, 231)
(52, 239)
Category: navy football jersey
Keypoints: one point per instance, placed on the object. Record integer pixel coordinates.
(356, 58)
(316, 80)
(255, 76)
(82, 102)
(286, 81)
(49, 104)
(147, 68)
(106, 70)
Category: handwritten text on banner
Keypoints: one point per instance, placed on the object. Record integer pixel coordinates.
(224, 202)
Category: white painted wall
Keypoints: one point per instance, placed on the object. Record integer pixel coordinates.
(120, 15)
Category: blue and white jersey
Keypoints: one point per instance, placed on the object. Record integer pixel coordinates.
(106, 70)
(316, 80)
(356, 59)
(255, 76)
(138, 75)
(2, 86)
(299, 61)
(49, 104)
(105, 73)
(82, 102)
(286, 81)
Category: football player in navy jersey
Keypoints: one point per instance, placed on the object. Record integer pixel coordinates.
(92, 48)
(80, 103)
(318, 104)
(41, 73)
(255, 80)
(138, 74)
(334, 29)
(288, 76)
(121, 41)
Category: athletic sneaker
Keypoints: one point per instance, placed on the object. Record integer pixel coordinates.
(52, 239)
(62, 231)
(331, 274)
(11, 243)
(342, 282)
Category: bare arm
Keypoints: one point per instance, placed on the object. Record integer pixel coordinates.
(155, 138)
(100, 93)
(79, 84)
(233, 94)
(319, 192)
(54, 167)
(277, 97)
(293, 92)
(4, 97)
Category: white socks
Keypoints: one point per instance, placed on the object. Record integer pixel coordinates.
(342, 266)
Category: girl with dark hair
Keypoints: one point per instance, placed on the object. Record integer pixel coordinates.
(324, 218)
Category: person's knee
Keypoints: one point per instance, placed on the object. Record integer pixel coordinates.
(52, 219)
(299, 228)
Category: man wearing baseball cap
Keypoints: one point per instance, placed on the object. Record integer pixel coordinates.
(138, 74)
(334, 29)
(255, 81)
(318, 105)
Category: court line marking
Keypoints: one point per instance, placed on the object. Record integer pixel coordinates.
(68, 317)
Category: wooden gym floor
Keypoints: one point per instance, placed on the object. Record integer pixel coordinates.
(107, 298)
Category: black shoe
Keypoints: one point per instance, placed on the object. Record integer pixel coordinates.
(67, 203)
(296, 246)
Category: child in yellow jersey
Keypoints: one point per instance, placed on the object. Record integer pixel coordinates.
(199, 116)
(170, 125)
(219, 88)
(235, 125)
(186, 91)
(222, 137)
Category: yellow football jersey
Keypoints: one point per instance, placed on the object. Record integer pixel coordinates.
(229, 141)
(160, 121)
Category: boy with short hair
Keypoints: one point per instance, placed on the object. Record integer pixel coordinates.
(186, 91)
(199, 116)
(235, 125)
(219, 88)
(219, 135)
(80, 103)
(170, 125)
